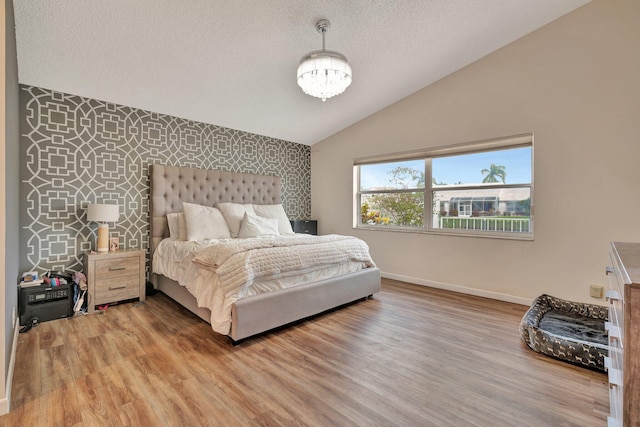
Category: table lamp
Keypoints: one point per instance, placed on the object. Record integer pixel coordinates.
(102, 214)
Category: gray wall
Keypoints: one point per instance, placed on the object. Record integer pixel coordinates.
(12, 165)
(78, 150)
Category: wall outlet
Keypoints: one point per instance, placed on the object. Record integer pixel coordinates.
(13, 317)
(596, 291)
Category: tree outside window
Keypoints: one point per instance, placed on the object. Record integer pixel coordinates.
(483, 190)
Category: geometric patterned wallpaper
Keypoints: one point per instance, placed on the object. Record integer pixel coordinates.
(76, 151)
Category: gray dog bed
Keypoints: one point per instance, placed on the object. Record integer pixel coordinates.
(569, 331)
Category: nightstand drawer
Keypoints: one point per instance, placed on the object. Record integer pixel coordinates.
(115, 276)
(117, 267)
(117, 288)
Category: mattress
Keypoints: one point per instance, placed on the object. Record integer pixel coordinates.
(175, 260)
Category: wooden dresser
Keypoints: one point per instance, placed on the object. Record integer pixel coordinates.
(115, 276)
(623, 363)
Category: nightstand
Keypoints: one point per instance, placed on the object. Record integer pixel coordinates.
(115, 276)
(307, 226)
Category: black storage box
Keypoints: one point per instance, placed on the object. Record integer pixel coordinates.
(307, 226)
(42, 303)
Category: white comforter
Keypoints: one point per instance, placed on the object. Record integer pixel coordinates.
(220, 272)
(239, 262)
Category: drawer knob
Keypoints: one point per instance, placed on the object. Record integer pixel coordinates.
(111, 288)
(117, 268)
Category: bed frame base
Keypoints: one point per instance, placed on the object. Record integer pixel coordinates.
(261, 313)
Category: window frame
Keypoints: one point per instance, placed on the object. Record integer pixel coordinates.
(494, 144)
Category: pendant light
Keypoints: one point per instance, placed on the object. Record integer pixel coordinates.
(324, 73)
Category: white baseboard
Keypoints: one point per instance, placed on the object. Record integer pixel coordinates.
(461, 289)
(5, 404)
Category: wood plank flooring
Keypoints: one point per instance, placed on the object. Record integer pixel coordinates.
(411, 356)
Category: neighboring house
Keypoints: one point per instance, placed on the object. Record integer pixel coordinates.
(485, 202)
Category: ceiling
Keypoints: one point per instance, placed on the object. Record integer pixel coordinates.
(233, 63)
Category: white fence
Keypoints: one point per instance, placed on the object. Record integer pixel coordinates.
(513, 225)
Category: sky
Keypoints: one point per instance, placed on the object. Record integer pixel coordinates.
(465, 169)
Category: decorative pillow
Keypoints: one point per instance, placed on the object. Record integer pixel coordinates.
(204, 223)
(275, 212)
(254, 226)
(177, 226)
(233, 213)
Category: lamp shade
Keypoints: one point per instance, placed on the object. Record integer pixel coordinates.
(103, 213)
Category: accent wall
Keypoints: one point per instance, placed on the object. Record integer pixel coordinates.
(77, 150)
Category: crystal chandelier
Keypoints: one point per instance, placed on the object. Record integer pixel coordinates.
(324, 73)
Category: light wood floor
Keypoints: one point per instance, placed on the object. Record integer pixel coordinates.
(411, 356)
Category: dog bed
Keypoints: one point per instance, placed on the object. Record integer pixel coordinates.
(569, 331)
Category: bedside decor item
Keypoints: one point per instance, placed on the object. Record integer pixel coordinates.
(114, 244)
(324, 73)
(103, 214)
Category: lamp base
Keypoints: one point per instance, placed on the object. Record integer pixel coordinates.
(103, 238)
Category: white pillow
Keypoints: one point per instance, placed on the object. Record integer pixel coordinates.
(275, 212)
(254, 226)
(233, 213)
(204, 223)
(177, 226)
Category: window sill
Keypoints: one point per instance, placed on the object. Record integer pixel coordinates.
(461, 233)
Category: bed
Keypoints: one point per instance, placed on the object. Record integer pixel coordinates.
(173, 186)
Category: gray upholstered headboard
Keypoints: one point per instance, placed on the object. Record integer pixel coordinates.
(172, 185)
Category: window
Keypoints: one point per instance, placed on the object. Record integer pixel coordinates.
(483, 188)
(392, 194)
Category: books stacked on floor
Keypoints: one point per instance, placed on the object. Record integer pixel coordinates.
(30, 279)
(49, 279)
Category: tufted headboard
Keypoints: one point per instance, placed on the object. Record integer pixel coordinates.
(172, 185)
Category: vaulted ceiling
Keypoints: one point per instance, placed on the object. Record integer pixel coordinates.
(233, 63)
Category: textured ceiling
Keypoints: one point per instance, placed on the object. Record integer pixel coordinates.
(233, 63)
